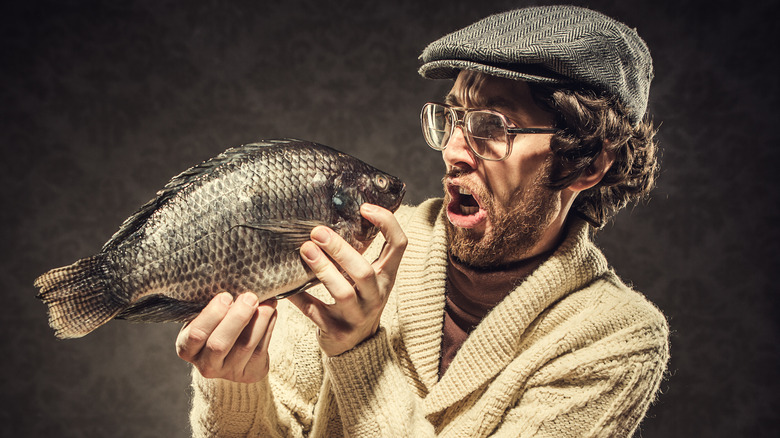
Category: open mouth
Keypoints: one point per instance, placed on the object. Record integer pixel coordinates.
(468, 204)
(464, 209)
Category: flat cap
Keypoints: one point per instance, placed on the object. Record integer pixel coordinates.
(550, 44)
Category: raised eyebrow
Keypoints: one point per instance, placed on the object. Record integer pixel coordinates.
(499, 104)
(451, 100)
(494, 103)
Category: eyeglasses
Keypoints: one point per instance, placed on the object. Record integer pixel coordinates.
(486, 131)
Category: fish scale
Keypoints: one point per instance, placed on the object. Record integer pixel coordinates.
(232, 223)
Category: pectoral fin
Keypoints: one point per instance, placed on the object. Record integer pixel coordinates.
(294, 232)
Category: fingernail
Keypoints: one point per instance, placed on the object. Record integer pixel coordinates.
(369, 208)
(309, 252)
(225, 298)
(250, 299)
(320, 235)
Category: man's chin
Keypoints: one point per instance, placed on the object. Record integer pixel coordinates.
(471, 246)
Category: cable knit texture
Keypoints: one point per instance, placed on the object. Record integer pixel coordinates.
(571, 351)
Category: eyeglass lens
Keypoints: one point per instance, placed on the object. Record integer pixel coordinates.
(485, 131)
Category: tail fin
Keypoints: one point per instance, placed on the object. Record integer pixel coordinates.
(79, 297)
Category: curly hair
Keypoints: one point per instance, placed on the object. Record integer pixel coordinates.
(590, 122)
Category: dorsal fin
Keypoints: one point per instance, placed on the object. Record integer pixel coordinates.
(196, 174)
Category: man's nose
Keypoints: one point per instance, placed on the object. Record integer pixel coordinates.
(457, 152)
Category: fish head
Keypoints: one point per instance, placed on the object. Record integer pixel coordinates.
(384, 190)
(353, 189)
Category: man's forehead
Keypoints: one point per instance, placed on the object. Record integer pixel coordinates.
(476, 90)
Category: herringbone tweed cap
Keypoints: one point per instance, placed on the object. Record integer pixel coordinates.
(550, 44)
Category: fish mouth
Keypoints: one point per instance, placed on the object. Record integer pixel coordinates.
(464, 209)
(399, 198)
(371, 230)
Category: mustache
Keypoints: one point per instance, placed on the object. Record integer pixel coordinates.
(455, 172)
(478, 188)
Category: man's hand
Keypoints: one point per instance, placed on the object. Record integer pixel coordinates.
(230, 339)
(361, 294)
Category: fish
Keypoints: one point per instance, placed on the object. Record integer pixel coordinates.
(233, 223)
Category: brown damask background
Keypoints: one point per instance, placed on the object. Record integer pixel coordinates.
(102, 102)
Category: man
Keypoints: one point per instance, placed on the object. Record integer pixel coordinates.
(489, 312)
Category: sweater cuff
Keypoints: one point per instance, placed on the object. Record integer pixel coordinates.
(224, 395)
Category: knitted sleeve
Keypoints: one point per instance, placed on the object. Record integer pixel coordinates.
(603, 386)
(589, 398)
(369, 385)
(226, 409)
(374, 397)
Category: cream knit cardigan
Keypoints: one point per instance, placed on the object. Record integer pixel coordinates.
(571, 351)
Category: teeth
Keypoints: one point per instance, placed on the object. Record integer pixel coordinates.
(467, 202)
(468, 210)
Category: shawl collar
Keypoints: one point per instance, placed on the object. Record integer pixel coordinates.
(420, 285)
(496, 340)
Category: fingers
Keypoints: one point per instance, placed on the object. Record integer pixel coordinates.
(248, 356)
(224, 336)
(395, 239)
(366, 277)
(230, 339)
(193, 336)
(359, 288)
(325, 271)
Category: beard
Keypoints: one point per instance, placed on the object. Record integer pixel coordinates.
(516, 227)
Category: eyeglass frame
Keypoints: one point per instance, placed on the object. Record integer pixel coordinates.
(460, 121)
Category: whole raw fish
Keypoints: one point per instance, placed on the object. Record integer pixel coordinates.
(233, 223)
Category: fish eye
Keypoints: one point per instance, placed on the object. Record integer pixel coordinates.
(381, 182)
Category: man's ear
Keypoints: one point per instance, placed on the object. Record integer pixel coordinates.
(595, 172)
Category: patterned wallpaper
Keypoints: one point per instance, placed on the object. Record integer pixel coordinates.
(102, 102)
